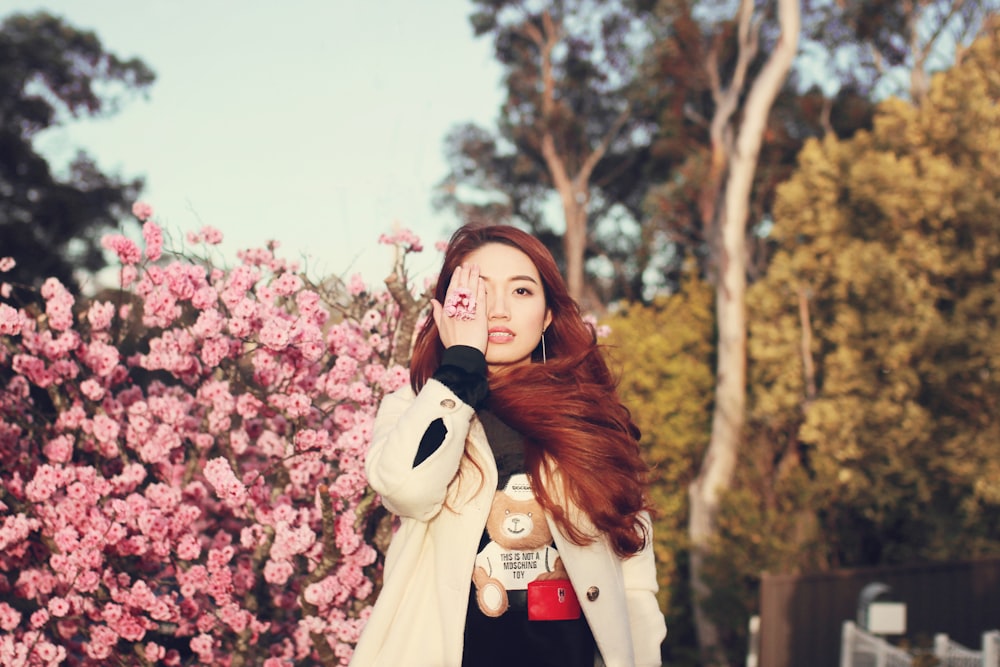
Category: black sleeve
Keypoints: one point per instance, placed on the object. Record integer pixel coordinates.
(433, 437)
(463, 370)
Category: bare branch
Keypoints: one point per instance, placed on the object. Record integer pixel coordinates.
(590, 163)
(808, 367)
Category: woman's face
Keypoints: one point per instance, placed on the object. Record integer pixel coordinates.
(515, 304)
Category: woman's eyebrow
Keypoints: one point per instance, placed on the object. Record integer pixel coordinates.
(513, 278)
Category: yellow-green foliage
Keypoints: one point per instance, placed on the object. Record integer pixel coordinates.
(893, 237)
(664, 354)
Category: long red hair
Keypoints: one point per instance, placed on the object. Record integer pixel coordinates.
(567, 409)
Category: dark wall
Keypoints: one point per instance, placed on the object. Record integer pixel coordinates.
(802, 615)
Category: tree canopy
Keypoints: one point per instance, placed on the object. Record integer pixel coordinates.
(875, 340)
(663, 352)
(51, 73)
(566, 134)
(871, 433)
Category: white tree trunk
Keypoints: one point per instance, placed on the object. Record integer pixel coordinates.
(575, 244)
(719, 463)
(573, 189)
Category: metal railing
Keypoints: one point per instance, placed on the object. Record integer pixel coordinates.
(991, 648)
(952, 654)
(862, 649)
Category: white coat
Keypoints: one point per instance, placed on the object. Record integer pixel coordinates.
(419, 617)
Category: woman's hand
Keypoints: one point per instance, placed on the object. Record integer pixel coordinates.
(461, 328)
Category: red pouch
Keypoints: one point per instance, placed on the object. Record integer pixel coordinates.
(552, 600)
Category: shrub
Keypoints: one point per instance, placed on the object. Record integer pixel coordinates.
(182, 476)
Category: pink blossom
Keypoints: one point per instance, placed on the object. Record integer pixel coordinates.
(39, 618)
(214, 351)
(275, 334)
(10, 618)
(204, 297)
(100, 314)
(265, 295)
(10, 321)
(40, 488)
(359, 392)
(373, 373)
(92, 389)
(158, 447)
(153, 652)
(184, 280)
(6, 264)
(59, 449)
(188, 548)
(58, 304)
(290, 541)
(312, 350)
(240, 328)
(125, 248)
(278, 572)
(161, 309)
(101, 358)
(308, 303)
(142, 211)
(298, 405)
(356, 286)
(105, 428)
(395, 377)
(287, 284)
(58, 607)
(127, 277)
(402, 237)
(229, 489)
(371, 320)
(211, 235)
(131, 506)
(248, 406)
(153, 236)
(235, 617)
(202, 645)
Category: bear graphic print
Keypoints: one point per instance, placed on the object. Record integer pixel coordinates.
(519, 552)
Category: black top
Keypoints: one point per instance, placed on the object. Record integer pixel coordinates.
(511, 638)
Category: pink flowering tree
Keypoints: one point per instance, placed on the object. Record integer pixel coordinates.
(182, 477)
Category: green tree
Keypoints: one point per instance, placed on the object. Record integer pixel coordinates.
(51, 72)
(871, 435)
(886, 47)
(664, 354)
(700, 206)
(875, 341)
(742, 90)
(566, 131)
(851, 54)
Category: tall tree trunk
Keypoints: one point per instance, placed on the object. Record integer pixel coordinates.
(719, 463)
(573, 189)
(575, 242)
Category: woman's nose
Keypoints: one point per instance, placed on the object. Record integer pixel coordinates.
(496, 306)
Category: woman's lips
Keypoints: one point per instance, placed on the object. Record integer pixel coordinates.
(500, 335)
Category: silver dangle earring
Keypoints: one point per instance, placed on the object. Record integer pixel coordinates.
(543, 346)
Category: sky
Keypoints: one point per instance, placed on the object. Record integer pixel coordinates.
(318, 123)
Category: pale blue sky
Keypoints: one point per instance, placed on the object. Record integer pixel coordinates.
(319, 123)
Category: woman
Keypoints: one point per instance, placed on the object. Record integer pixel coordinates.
(509, 386)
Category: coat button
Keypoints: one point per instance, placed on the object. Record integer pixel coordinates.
(448, 403)
(593, 592)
